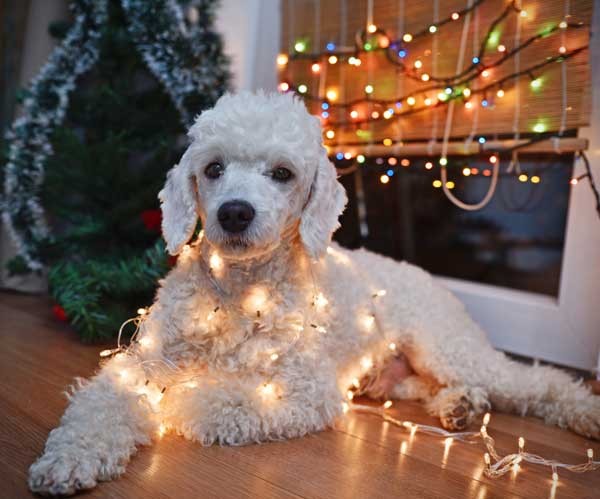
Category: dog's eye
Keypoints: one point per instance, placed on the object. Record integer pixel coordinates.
(281, 174)
(214, 170)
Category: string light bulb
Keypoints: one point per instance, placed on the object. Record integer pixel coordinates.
(407, 37)
(428, 165)
(432, 28)
(300, 46)
(455, 16)
(354, 114)
(466, 92)
(320, 301)
(384, 179)
(425, 77)
(369, 89)
(302, 88)
(332, 59)
(316, 68)
(283, 86)
(411, 101)
(330, 134)
(371, 28)
(392, 346)
(215, 262)
(332, 95)
(282, 59)
(387, 404)
(142, 311)
(366, 363)
(500, 93)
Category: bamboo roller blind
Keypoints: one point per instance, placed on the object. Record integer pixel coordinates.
(338, 21)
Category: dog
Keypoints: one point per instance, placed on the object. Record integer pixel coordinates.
(264, 324)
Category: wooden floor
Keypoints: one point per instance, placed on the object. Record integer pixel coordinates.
(361, 458)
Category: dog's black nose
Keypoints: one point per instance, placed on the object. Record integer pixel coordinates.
(235, 216)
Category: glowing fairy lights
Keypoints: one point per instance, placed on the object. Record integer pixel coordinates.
(132, 372)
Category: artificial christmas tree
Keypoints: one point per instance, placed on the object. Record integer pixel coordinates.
(102, 123)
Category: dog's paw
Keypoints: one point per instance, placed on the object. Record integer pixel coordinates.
(584, 418)
(458, 415)
(62, 474)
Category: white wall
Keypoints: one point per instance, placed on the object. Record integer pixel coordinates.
(251, 32)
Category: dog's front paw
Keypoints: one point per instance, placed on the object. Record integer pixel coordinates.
(62, 474)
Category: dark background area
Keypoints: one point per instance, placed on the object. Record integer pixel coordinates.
(516, 241)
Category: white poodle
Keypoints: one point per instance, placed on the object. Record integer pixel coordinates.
(263, 326)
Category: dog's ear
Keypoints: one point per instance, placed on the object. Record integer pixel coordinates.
(179, 206)
(326, 203)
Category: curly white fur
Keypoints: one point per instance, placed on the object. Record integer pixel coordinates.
(222, 324)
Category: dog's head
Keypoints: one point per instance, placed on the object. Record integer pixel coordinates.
(255, 170)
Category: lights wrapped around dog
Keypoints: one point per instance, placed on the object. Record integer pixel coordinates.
(137, 374)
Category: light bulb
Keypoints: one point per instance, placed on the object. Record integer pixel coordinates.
(432, 28)
(366, 363)
(283, 86)
(425, 77)
(142, 311)
(215, 262)
(392, 347)
(384, 179)
(146, 342)
(369, 89)
(387, 404)
(332, 59)
(407, 37)
(455, 16)
(411, 101)
(437, 184)
(282, 59)
(353, 114)
(466, 171)
(300, 46)
(302, 88)
(332, 94)
(371, 28)
(500, 93)
(428, 165)
(443, 161)
(316, 68)
(274, 356)
(330, 134)
(369, 320)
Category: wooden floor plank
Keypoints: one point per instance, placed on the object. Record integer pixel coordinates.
(362, 457)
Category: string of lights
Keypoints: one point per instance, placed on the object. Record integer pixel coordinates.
(444, 97)
(496, 465)
(151, 376)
